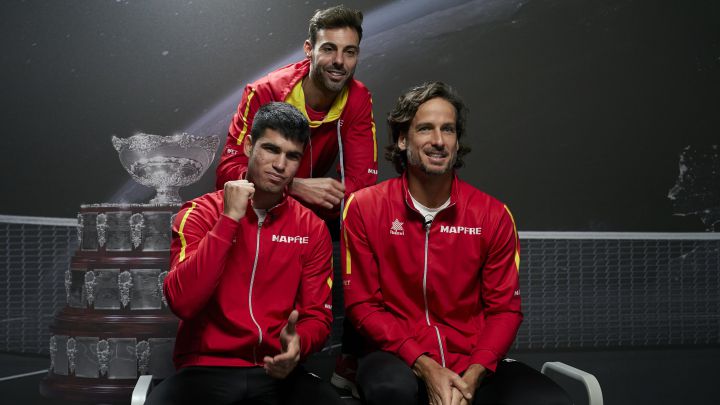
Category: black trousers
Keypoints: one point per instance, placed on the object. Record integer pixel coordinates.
(241, 385)
(383, 378)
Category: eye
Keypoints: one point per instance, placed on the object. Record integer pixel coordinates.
(294, 156)
(448, 129)
(424, 128)
(351, 52)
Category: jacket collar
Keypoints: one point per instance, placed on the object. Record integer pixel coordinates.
(454, 191)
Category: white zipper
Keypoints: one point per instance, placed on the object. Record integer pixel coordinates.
(427, 308)
(342, 165)
(311, 157)
(252, 280)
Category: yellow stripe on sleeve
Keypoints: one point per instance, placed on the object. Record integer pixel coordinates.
(348, 261)
(183, 242)
(329, 282)
(517, 241)
(372, 122)
(241, 136)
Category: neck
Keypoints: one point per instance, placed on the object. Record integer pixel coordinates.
(265, 201)
(429, 190)
(318, 99)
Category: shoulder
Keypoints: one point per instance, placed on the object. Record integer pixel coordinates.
(372, 197)
(208, 207)
(358, 93)
(280, 81)
(304, 218)
(476, 199)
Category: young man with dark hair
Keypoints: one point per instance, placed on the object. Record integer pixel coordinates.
(338, 107)
(250, 279)
(431, 272)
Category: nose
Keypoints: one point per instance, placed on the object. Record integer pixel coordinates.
(338, 59)
(437, 139)
(279, 163)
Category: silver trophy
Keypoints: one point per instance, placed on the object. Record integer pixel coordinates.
(166, 163)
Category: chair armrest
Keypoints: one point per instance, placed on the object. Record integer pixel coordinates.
(591, 383)
(142, 389)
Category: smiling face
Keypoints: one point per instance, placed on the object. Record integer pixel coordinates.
(273, 161)
(431, 141)
(333, 58)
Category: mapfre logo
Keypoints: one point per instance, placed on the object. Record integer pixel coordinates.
(303, 240)
(397, 228)
(463, 230)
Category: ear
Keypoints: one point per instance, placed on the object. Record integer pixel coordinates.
(402, 141)
(307, 48)
(247, 145)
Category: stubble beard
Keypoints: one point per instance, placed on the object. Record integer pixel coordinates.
(324, 83)
(414, 160)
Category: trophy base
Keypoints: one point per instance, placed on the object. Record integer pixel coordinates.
(85, 390)
(167, 196)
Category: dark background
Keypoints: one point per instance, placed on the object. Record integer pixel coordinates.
(580, 110)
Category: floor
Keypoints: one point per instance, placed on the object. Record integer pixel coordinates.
(628, 377)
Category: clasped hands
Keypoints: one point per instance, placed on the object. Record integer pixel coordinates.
(444, 386)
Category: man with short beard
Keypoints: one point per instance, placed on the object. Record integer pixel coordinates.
(431, 272)
(338, 107)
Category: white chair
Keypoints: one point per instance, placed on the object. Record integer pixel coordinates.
(141, 390)
(592, 386)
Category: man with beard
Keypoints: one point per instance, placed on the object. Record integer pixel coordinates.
(250, 279)
(431, 272)
(338, 107)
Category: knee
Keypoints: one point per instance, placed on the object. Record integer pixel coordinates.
(390, 390)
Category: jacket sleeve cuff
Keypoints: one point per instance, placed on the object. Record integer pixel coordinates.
(225, 228)
(485, 358)
(305, 349)
(410, 351)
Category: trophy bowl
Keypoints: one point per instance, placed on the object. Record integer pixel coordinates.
(166, 163)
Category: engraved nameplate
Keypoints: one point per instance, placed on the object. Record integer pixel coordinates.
(118, 233)
(89, 231)
(86, 357)
(145, 294)
(107, 294)
(123, 358)
(157, 231)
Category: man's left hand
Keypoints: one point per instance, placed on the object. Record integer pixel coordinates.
(473, 376)
(284, 363)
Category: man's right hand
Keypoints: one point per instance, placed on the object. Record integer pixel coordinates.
(440, 381)
(322, 191)
(236, 197)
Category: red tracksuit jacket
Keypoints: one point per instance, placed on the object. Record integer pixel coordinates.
(355, 126)
(234, 284)
(449, 290)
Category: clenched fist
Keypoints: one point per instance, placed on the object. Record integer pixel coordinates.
(237, 196)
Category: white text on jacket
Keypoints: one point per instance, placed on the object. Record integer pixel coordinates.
(303, 240)
(465, 230)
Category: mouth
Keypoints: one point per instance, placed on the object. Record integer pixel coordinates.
(336, 74)
(436, 157)
(274, 177)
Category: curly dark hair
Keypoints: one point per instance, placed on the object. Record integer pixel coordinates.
(404, 111)
(335, 17)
